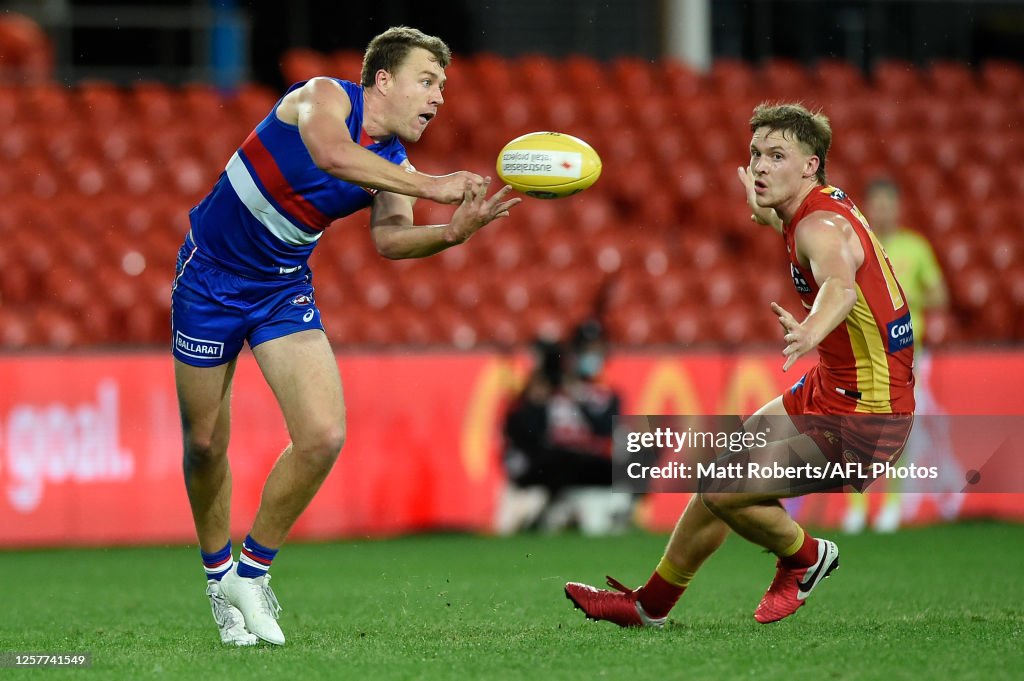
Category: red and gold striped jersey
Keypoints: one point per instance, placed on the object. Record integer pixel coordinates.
(869, 356)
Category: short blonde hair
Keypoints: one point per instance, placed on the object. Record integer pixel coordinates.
(809, 128)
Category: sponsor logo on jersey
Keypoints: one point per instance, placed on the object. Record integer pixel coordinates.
(302, 300)
(309, 315)
(198, 347)
(834, 193)
(900, 333)
(798, 280)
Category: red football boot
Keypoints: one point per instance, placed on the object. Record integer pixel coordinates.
(620, 606)
(792, 586)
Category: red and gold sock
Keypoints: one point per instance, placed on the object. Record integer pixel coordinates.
(801, 553)
(663, 589)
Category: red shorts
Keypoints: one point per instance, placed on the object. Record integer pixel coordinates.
(829, 418)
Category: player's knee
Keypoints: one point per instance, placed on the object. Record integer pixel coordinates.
(717, 502)
(201, 451)
(331, 442)
(321, 446)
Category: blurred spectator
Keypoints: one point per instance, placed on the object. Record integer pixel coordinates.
(911, 255)
(26, 55)
(558, 435)
(917, 268)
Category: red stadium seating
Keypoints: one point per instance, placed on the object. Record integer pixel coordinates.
(539, 73)
(951, 80)
(26, 54)
(583, 74)
(97, 182)
(300, 64)
(785, 79)
(639, 78)
(896, 77)
(1003, 78)
(1014, 284)
(156, 102)
(681, 81)
(838, 77)
(731, 78)
(346, 64)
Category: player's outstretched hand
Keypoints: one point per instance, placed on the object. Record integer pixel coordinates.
(452, 188)
(798, 341)
(476, 210)
(760, 215)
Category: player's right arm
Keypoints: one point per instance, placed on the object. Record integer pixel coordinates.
(760, 215)
(396, 237)
(320, 108)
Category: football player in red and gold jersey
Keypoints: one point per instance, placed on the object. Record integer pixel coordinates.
(855, 406)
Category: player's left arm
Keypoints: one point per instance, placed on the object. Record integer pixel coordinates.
(396, 237)
(827, 242)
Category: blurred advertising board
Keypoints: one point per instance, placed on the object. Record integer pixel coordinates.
(90, 449)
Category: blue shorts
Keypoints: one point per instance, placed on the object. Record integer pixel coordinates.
(213, 312)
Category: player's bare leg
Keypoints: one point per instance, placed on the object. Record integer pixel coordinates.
(204, 398)
(697, 534)
(700, 531)
(756, 514)
(803, 560)
(303, 373)
(759, 517)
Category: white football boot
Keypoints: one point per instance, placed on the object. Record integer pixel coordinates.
(257, 603)
(228, 618)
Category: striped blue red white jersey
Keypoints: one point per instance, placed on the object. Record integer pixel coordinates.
(272, 204)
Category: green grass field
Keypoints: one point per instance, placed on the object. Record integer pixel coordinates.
(938, 603)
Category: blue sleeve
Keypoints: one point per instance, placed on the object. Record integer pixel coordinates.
(398, 154)
(355, 98)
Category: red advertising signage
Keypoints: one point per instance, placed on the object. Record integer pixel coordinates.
(90, 448)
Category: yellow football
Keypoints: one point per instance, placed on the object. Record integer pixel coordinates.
(548, 165)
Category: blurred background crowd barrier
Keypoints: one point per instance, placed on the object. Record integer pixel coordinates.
(90, 454)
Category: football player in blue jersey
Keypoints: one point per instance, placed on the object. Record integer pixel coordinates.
(328, 148)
